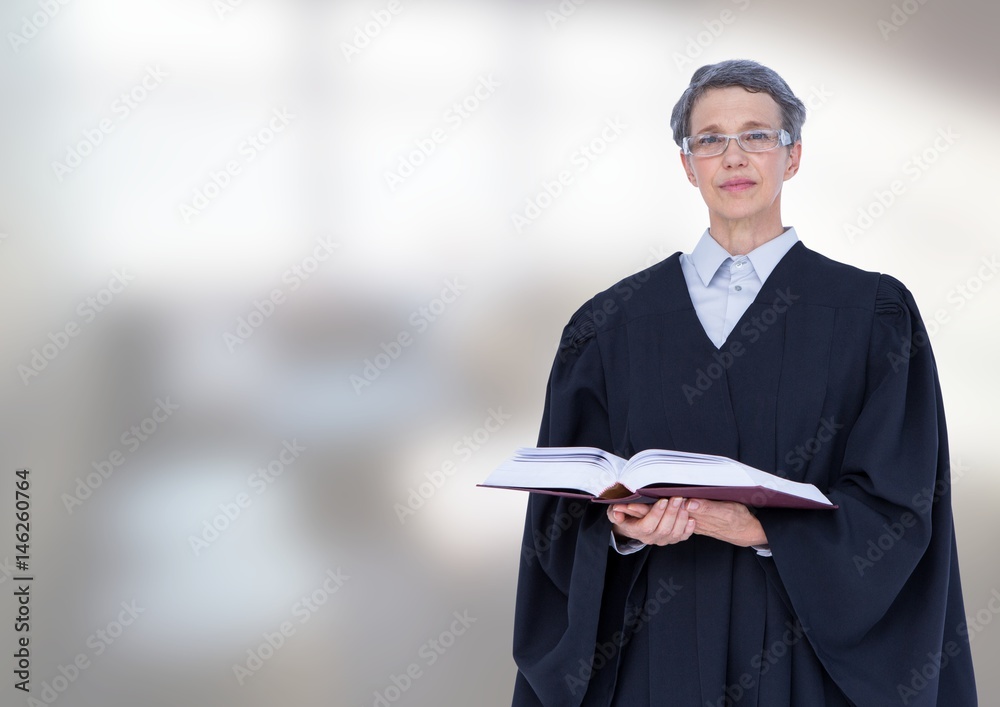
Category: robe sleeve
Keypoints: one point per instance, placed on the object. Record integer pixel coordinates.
(875, 582)
(564, 551)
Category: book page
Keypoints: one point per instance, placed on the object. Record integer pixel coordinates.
(574, 468)
(655, 466)
(667, 469)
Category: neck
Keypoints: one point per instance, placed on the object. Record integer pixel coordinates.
(740, 237)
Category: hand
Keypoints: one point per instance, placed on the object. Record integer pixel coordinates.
(663, 523)
(730, 522)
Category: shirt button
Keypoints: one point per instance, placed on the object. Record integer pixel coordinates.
(739, 263)
(738, 288)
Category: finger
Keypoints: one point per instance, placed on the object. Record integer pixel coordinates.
(632, 526)
(674, 522)
(636, 510)
(709, 513)
(689, 528)
(618, 512)
(675, 526)
(662, 515)
(654, 513)
(625, 525)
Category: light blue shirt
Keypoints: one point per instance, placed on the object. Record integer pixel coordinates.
(722, 287)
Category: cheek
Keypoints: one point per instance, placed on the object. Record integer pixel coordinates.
(702, 177)
(774, 172)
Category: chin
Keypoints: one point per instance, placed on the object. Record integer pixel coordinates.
(731, 214)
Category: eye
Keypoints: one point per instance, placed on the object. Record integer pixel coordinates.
(709, 139)
(757, 136)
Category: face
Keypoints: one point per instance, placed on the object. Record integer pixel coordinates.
(740, 187)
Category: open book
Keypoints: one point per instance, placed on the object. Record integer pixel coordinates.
(590, 473)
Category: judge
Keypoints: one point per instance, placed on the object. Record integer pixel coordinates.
(755, 347)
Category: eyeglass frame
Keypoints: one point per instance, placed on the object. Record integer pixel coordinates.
(784, 139)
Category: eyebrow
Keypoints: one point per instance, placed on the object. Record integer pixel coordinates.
(749, 125)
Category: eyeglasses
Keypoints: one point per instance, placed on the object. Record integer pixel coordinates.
(759, 140)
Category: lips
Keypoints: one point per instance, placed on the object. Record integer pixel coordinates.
(737, 184)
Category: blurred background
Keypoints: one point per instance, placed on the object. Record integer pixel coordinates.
(282, 281)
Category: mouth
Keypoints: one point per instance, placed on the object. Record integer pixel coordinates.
(737, 184)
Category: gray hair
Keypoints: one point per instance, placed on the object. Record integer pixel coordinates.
(747, 74)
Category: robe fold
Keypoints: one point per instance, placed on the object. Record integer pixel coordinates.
(828, 378)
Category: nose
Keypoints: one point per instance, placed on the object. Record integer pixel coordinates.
(734, 154)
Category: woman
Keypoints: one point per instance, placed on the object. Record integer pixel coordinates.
(754, 347)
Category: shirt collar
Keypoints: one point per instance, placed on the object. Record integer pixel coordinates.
(708, 255)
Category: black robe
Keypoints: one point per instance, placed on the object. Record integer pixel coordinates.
(828, 378)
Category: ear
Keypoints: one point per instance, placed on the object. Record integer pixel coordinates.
(686, 162)
(794, 159)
